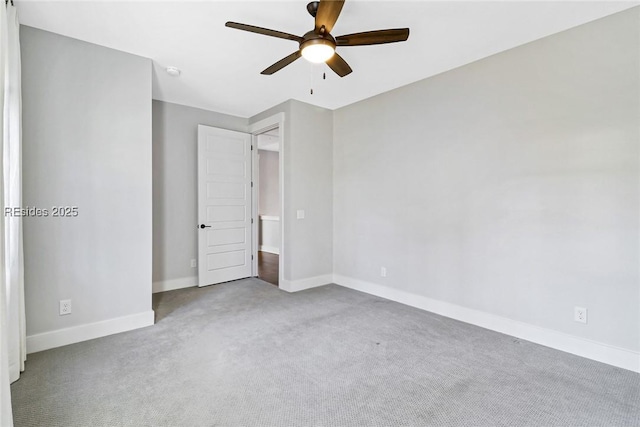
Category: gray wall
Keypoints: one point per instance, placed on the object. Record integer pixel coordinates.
(308, 184)
(269, 203)
(86, 143)
(508, 186)
(175, 138)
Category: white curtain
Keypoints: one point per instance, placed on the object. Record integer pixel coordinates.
(12, 317)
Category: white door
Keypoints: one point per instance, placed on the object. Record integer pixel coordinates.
(224, 205)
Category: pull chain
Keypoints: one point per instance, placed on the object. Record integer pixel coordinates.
(311, 79)
(324, 77)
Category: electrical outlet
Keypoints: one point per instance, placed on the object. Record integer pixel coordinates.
(383, 272)
(300, 214)
(194, 263)
(65, 307)
(580, 314)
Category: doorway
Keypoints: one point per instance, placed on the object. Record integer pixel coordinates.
(231, 240)
(269, 139)
(268, 190)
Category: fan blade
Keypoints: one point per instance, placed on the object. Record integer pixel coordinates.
(282, 63)
(373, 37)
(339, 65)
(264, 31)
(327, 14)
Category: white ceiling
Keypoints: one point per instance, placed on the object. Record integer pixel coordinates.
(221, 66)
(268, 142)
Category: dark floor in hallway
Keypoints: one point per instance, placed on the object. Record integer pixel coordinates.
(268, 267)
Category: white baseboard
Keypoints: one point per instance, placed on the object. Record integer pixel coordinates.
(89, 331)
(594, 350)
(173, 284)
(270, 249)
(302, 284)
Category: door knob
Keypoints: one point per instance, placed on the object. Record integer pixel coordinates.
(204, 226)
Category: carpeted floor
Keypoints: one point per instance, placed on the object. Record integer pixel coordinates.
(247, 354)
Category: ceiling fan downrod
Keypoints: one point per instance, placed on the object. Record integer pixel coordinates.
(312, 8)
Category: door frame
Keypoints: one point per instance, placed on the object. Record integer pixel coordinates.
(262, 126)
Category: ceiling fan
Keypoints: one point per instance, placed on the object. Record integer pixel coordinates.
(318, 45)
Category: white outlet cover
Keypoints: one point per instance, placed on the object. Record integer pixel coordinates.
(300, 214)
(194, 263)
(580, 314)
(383, 271)
(65, 307)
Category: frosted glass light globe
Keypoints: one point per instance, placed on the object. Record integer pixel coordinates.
(317, 52)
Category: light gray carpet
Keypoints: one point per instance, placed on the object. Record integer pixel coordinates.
(247, 354)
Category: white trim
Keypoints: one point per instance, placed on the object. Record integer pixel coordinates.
(267, 124)
(173, 284)
(89, 331)
(616, 356)
(269, 249)
(269, 218)
(255, 204)
(308, 283)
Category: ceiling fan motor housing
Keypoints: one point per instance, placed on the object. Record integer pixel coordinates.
(312, 38)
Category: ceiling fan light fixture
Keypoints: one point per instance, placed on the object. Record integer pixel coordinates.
(318, 51)
(318, 45)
